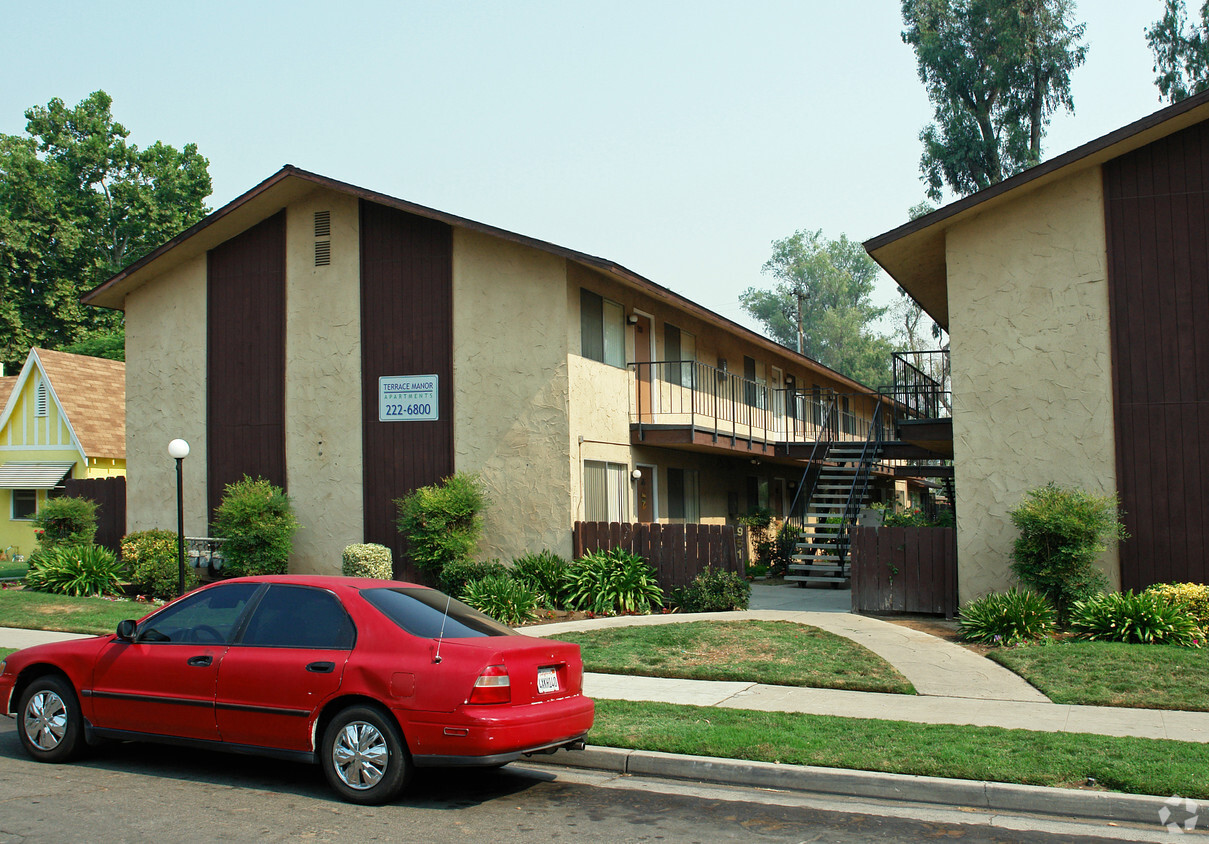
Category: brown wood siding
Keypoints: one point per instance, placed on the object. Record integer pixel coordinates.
(406, 329)
(1157, 218)
(245, 358)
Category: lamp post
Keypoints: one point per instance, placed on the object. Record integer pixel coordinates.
(179, 450)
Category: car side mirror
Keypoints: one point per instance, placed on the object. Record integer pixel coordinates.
(127, 629)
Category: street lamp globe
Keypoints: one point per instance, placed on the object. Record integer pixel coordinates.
(178, 449)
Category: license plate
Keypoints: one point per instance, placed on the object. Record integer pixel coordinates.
(547, 680)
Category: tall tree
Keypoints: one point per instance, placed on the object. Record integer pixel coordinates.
(77, 203)
(1181, 52)
(827, 282)
(995, 71)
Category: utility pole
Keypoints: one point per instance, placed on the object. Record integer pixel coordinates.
(801, 296)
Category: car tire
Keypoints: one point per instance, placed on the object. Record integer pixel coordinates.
(363, 756)
(49, 722)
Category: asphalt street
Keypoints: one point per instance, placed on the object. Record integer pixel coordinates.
(133, 792)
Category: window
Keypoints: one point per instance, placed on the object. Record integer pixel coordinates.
(25, 503)
(299, 617)
(757, 493)
(682, 496)
(678, 346)
(427, 612)
(601, 329)
(848, 420)
(203, 618)
(606, 491)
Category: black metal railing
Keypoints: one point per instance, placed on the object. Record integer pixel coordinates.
(921, 385)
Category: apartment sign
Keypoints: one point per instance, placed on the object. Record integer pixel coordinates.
(408, 398)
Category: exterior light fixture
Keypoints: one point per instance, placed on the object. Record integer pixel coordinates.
(632, 319)
(636, 474)
(178, 450)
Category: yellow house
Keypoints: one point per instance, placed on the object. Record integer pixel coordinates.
(65, 418)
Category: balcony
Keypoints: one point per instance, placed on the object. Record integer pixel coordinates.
(923, 418)
(689, 403)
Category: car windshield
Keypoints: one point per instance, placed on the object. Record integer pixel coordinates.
(423, 613)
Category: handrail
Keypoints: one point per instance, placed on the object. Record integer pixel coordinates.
(797, 521)
(863, 469)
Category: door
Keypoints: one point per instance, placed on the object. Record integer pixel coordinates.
(288, 661)
(163, 682)
(644, 401)
(644, 493)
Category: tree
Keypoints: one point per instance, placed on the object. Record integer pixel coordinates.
(78, 203)
(109, 344)
(827, 282)
(1181, 54)
(995, 71)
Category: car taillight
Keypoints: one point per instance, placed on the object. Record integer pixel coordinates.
(492, 686)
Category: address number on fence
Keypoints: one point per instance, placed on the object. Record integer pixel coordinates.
(408, 398)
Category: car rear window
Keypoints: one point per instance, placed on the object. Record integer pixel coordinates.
(423, 613)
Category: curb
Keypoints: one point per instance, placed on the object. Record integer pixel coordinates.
(953, 793)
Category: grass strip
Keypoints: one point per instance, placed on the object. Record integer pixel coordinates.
(779, 653)
(10, 569)
(1114, 673)
(1066, 760)
(6, 651)
(42, 611)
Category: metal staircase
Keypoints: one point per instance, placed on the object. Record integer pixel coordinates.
(840, 491)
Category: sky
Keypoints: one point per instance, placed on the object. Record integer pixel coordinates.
(678, 139)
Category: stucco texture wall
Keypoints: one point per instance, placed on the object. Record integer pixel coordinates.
(323, 383)
(166, 398)
(1031, 364)
(511, 391)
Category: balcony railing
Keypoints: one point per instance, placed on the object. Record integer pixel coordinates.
(693, 394)
(922, 385)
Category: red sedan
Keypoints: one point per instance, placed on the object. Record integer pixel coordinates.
(369, 678)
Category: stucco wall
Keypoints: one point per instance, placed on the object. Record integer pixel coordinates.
(511, 390)
(1032, 388)
(323, 383)
(166, 398)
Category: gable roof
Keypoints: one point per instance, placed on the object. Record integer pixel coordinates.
(7, 382)
(90, 391)
(914, 253)
(292, 183)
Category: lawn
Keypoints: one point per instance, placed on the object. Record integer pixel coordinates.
(774, 652)
(1139, 766)
(1114, 674)
(10, 569)
(41, 611)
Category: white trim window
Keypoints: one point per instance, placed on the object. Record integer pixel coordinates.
(24, 504)
(601, 329)
(606, 491)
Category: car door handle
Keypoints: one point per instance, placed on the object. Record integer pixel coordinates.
(200, 661)
(321, 667)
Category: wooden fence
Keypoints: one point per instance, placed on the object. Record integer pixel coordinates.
(110, 497)
(678, 552)
(900, 569)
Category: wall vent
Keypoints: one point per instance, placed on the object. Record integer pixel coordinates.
(323, 253)
(323, 224)
(41, 403)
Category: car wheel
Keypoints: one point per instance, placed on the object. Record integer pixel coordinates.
(50, 724)
(363, 756)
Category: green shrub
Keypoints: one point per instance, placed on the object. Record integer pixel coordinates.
(1062, 531)
(1194, 597)
(152, 556)
(76, 570)
(66, 521)
(257, 522)
(442, 522)
(502, 598)
(775, 553)
(1006, 618)
(455, 577)
(609, 582)
(1146, 618)
(544, 574)
(713, 590)
(367, 560)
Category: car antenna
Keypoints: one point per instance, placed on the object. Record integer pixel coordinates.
(436, 660)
